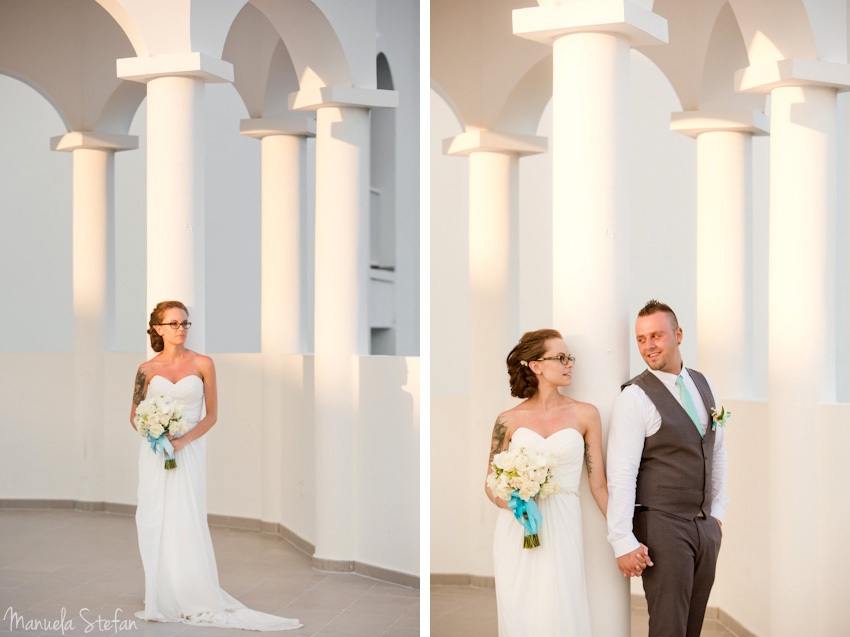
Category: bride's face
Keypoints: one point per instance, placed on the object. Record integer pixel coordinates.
(553, 370)
(169, 334)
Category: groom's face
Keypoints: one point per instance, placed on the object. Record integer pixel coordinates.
(658, 342)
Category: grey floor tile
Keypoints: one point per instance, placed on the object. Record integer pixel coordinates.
(460, 611)
(71, 559)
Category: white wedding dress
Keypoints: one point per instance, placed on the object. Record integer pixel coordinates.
(541, 591)
(181, 577)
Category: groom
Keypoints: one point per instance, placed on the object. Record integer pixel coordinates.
(667, 479)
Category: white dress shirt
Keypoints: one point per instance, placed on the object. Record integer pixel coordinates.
(634, 419)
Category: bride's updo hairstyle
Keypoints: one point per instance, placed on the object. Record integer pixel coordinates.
(157, 343)
(531, 346)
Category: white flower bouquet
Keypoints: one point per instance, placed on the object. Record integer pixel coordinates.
(520, 476)
(156, 417)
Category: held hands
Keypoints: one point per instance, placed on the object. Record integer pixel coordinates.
(634, 563)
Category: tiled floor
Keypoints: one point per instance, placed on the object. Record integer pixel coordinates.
(52, 560)
(458, 611)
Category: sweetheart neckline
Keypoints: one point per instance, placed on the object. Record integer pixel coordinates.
(552, 434)
(179, 381)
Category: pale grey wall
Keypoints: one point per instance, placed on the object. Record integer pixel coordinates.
(35, 225)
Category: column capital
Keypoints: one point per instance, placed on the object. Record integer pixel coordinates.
(763, 78)
(198, 65)
(90, 139)
(496, 142)
(694, 123)
(296, 126)
(311, 99)
(545, 24)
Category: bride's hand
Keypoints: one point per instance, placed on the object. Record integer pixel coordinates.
(178, 443)
(634, 563)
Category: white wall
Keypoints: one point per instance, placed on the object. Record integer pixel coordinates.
(35, 224)
(387, 463)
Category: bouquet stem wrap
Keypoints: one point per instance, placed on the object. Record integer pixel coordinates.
(163, 447)
(529, 516)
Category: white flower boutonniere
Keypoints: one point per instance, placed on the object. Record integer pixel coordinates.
(719, 416)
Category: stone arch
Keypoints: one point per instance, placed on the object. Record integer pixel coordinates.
(253, 47)
(128, 24)
(38, 89)
(527, 101)
(725, 53)
(196, 25)
(315, 49)
(66, 50)
(282, 80)
(781, 29)
(444, 95)
(120, 109)
(383, 73)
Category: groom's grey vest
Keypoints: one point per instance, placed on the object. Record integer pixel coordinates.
(675, 467)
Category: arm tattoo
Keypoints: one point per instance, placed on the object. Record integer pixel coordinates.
(499, 433)
(587, 459)
(139, 391)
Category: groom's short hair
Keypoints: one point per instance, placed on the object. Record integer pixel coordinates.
(653, 306)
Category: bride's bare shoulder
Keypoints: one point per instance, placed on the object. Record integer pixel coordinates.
(204, 366)
(585, 414)
(147, 368)
(515, 416)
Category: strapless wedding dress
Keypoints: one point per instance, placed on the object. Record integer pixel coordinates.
(181, 577)
(542, 591)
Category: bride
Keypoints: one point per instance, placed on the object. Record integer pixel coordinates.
(181, 577)
(541, 591)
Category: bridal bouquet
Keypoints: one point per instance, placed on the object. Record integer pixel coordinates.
(520, 476)
(156, 417)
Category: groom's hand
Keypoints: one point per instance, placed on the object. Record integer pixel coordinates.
(634, 563)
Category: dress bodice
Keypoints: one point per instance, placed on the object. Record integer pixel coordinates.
(567, 445)
(189, 392)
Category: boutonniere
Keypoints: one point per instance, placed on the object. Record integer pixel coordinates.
(719, 417)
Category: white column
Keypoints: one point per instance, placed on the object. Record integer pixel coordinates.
(493, 278)
(801, 310)
(341, 329)
(282, 206)
(590, 227)
(93, 200)
(175, 177)
(724, 212)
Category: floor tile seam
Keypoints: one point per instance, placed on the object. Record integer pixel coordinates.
(326, 624)
(362, 595)
(388, 628)
(342, 612)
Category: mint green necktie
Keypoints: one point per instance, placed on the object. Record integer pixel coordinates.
(688, 403)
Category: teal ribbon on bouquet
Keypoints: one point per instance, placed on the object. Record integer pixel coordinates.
(529, 516)
(163, 447)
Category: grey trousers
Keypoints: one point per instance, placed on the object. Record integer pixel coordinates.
(677, 586)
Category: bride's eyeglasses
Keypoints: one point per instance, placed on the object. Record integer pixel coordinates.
(174, 325)
(563, 358)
